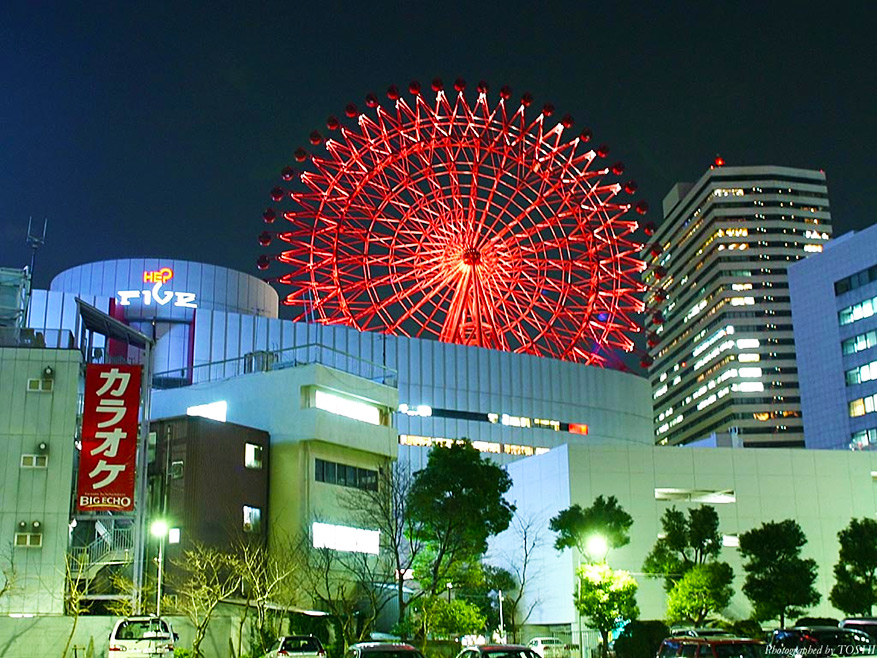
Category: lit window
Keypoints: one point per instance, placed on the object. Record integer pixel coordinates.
(344, 538)
(707, 496)
(730, 541)
(748, 357)
(213, 410)
(173, 536)
(252, 519)
(34, 461)
(253, 456)
(750, 372)
(747, 343)
(749, 387)
(348, 408)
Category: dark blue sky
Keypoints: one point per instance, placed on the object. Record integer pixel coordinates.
(144, 129)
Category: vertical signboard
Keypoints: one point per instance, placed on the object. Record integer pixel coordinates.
(109, 438)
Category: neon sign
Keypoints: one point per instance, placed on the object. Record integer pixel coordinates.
(155, 295)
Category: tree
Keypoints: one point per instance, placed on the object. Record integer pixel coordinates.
(438, 616)
(703, 590)
(641, 639)
(779, 582)
(386, 509)
(75, 592)
(529, 537)
(456, 503)
(346, 585)
(855, 587)
(605, 517)
(686, 542)
(203, 578)
(604, 597)
(7, 575)
(267, 579)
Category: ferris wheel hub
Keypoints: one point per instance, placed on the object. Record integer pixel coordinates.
(471, 256)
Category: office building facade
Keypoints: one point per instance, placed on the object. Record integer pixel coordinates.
(719, 317)
(834, 307)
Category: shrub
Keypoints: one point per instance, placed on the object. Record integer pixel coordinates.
(641, 639)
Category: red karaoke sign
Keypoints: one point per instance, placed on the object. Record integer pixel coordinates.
(109, 438)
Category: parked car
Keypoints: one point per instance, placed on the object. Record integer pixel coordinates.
(548, 647)
(711, 647)
(498, 651)
(382, 650)
(700, 632)
(299, 646)
(142, 637)
(810, 641)
(862, 624)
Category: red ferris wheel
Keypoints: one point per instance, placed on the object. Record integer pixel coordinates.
(470, 224)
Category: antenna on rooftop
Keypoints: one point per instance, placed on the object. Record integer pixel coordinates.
(35, 241)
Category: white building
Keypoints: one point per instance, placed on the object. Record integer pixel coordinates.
(822, 490)
(39, 394)
(720, 332)
(834, 307)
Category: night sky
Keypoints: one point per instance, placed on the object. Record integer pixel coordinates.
(158, 129)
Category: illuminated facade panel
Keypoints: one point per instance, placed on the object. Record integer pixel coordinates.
(718, 307)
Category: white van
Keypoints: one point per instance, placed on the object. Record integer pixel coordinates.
(142, 637)
(548, 647)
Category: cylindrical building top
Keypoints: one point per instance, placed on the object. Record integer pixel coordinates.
(161, 286)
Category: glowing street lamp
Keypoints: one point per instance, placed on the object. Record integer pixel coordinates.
(597, 548)
(159, 529)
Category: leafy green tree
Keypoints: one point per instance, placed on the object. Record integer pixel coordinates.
(605, 517)
(456, 503)
(779, 582)
(604, 596)
(855, 574)
(686, 542)
(703, 590)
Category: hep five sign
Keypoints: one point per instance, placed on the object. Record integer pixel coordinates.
(109, 438)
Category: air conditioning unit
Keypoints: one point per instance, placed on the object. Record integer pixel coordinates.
(259, 361)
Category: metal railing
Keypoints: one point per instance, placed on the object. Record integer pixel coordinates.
(114, 546)
(57, 339)
(269, 360)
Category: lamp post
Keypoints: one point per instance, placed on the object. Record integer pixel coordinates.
(159, 529)
(450, 587)
(597, 548)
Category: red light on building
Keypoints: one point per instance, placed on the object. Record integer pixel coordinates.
(719, 161)
(578, 428)
(470, 224)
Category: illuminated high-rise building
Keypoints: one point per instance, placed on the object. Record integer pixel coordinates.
(719, 318)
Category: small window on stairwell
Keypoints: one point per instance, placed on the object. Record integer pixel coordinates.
(252, 519)
(253, 456)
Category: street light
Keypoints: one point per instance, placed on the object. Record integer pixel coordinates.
(596, 547)
(450, 586)
(159, 529)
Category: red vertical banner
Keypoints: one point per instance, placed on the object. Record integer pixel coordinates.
(109, 438)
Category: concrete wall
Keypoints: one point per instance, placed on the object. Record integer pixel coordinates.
(46, 636)
(36, 494)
